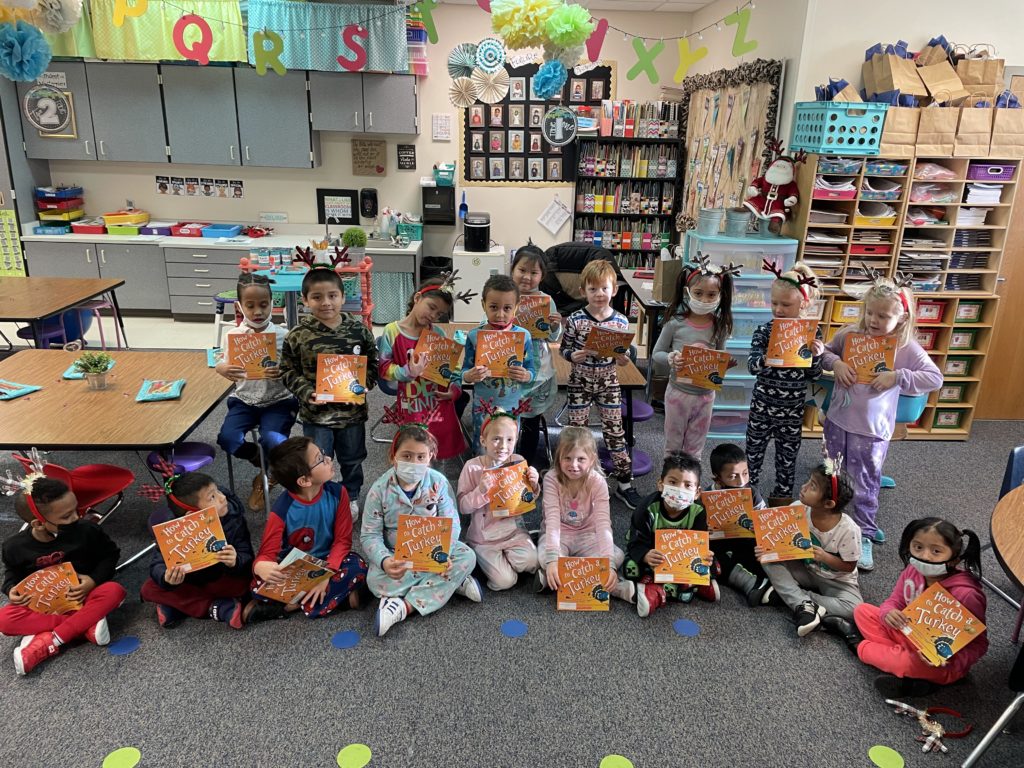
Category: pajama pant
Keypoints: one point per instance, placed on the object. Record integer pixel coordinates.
(348, 446)
(600, 386)
(889, 650)
(795, 583)
(425, 592)
(687, 421)
(779, 423)
(195, 599)
(274, 420)
(503, 561)
(583, 545)
(339, 587)
(733, 552)
(863, 458)
(18, 620)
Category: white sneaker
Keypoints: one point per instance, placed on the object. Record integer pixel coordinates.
(354, 508)
(625, 590)
(390, 611)
(98, 633)
(470, 589)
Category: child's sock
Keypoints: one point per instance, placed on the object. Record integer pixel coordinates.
(229, 611)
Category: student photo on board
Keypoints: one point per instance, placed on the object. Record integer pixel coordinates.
(536, 166)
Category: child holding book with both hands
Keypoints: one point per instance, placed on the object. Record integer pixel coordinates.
(861, 418)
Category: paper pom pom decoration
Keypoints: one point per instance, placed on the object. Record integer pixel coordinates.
(57, 16)
(463, 92)
(569, 26)
(521, 23)
(24, 52)
(569, 57)
(491, 87)
(18, 4)
(550, 78)
(490, 55)
(462, 60)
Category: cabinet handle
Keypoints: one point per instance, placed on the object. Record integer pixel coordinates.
(3, 199)
(200, 270)
(87, 147)
(102, 150)
(103, 255)
(231, 149)
(356, 113)
(247, 152)
(88, 256)
(370, 119)
(203, 285)
(205, 303)
(200, 256)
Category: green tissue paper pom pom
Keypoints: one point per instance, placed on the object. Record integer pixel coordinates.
(569, 26)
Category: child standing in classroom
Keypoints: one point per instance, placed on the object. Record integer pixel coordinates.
(55, 535)
(780, 394)
(503, 546)
(264, 403)
(529, 268)
(933, 551)
(594, 380)
(700, 315)
(862, 417)
(500, 299)
(412, 487)
(339, 429)
(399, 363)
(577, 515)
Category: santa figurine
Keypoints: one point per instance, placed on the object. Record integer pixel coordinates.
(771, 196)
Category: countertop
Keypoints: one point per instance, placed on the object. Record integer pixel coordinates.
(272, 241)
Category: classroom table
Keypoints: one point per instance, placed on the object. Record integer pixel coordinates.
(290, 284)
(1007, 530)
(653, 309)
(33, 299)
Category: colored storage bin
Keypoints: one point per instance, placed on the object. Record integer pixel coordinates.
(156, 228)
(222, 230)
(126, 216)
(968, 311)
(947, 418)
(741, 356)
(736, 392)
(991, 171)
(952, 393)
(846, 311)
(870, 249)
(58, 204)
(57, 193)
(89, 226)
(962, 339)
(826, 217)
(840, 165)
(751, 293)
(411, 229)
(61, 215)
(191, 229)
(444, 175)
(930, 310)
(745, 322)
(837, 126)
(816, 310)
(885, 168)
(51, 229)
(123, 229)
(728, 422)
(927, 337)
(874, 214)
(957, 366)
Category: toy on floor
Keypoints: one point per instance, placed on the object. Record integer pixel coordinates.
(932, 731)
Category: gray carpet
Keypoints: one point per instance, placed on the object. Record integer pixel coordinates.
(451, 690)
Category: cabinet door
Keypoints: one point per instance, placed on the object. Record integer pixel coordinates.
(389, 103)
(75, 142)
(61, 259)
(142, 269)
(336, 100)
(23, 174)
(127, 112)
(273, 119)
(199, 106)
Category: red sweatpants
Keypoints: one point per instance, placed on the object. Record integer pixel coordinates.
(889, 650)
(18, 620)
(195, 600)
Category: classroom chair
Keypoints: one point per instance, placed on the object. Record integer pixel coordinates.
(1016, 683)
(186, 457)
(94, 306)
(92, 484)
(255, 435)
(388, 388)
(58, 331)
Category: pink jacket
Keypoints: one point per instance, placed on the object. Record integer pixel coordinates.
(589, 512)
(484, 528)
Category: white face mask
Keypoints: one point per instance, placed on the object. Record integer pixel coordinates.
(928, 568)
(677, 497)
(701, 307)
(257, 326)
(409, 472)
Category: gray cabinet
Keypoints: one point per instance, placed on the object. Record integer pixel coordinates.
(19, 173)
(197, 274)
(61, 259)
(336, 101)
(142, 269)
(363, 103)
(78, 142)
(127, 112)
(199, 106)
(273, 120)
(389, 103)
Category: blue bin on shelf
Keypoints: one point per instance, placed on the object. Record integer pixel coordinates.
(222, 230)
(837, 127)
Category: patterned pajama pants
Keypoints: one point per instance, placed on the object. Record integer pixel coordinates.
(770, 422)
(425, 592)
(687, 421)
(600, 387)
(575, 544)
(863, 458)
(503, 561)
(339, 587)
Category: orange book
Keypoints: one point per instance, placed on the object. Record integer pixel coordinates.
(687, 557)
(940, 625)
(509, 493)
(425, 542)
(783, 533)
(341, 379)
(47, 589)
(191, 541)
(583, 581)
(499, 351)
(253, 351)
(608, 342)
(702, 367)
(302, 572)
(729, 513)
(868, 355)
(533, 315)
(443, 355)
(789, 345)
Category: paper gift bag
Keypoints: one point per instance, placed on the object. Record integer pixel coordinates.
(942, 78)
(981, 75)
(893, 73)
(899, 135)
(973, 132)
(666, 272)
(1008, 133)
(936, 131)
(868, 71)
(931, 54)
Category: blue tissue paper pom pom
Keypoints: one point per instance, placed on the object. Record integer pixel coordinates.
(549, 79)
(24, 52)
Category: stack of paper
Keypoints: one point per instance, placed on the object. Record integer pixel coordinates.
(921, 262)
(984, 193)
(835, 184)
(972, 238)
(972, 217)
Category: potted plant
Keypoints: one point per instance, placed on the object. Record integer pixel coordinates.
(95, 366)
(354, 238)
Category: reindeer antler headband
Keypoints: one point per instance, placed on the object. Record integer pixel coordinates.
(799, 283)
(493, 412)
(446, 284)
(11, 486)
(705, 268)
(401, 417)
(833, 467)
(894, 287)
(775, 147)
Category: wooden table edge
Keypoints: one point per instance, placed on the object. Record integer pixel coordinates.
(1018, 580)
(115, 283)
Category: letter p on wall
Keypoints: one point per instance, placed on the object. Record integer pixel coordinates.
(123, 10)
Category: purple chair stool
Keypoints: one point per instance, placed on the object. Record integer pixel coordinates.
(642, 463)
(642, 410)
(188, 457)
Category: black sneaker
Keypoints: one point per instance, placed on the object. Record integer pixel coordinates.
(807, 617)
(760, 594)
(629, 496)
(893, 687)
(258, 611)
(845, 629)
(658, 406)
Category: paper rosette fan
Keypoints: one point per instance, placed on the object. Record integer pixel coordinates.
(57, 16)
(463, 92)
(491, 87)
(462, 60)
(490, 55)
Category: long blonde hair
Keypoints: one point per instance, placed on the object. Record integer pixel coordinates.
(885, 289)
(571, 439)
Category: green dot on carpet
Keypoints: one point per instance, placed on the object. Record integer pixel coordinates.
(885, 757)
(354, 756)
(615, 761)
(125, 757)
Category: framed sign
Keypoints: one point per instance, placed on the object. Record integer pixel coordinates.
(559, 126)
(337, 206)
(406, 157)
(51, 111)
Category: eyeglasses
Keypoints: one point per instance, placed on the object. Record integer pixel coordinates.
(323, 458)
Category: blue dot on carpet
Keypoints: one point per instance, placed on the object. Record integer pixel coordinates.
(686, 628)
(348, 639)
(514, 628)
(124, 645)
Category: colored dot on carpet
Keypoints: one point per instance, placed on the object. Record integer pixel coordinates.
(885, 757)
(124, 645)
(686, 628)
(348, 639)
(125, 757)
(354, 756)
(514, 628)
(616, 761)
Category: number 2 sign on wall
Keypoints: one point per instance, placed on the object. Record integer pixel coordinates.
(50, 111)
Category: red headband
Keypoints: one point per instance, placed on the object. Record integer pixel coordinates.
(903, 300)
(835, 486)
(34, 509)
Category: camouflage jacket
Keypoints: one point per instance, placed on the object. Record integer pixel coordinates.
(298, 367)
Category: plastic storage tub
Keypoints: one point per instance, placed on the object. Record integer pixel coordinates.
(57, 193)
(991, 171)
(751, 293)
(411, 229)
(846, 311)
(222, 230)
(736, 392)
(962, 339)
(874, 214)
(48, 204)
(745, 322)
(969, 311)
(51, 229)
(870, 249)
(947, 418)
(952, 393)
(957, 366)
(189, 229)
(157, 228)
(728, 422)
(89, 227)
(50, 216)
(827, 217)
(927, 337)
(126, 217)
(930, 311)
(123, 229)
(838, 127)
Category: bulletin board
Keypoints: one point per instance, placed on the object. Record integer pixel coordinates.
(502, 143)
(726, 119)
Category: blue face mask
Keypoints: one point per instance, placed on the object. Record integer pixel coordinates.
(410, 472)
